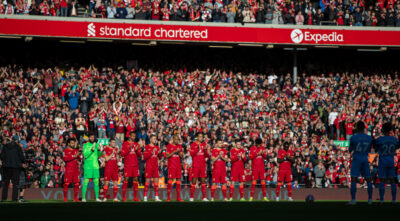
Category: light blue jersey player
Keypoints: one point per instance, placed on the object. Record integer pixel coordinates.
(360, 147)
(386, 147)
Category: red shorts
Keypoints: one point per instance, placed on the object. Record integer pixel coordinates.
(151, 172)
(72, 176)
(131, 171)
(237, 175)
(111, 173)
(219, 176)
(258, 174)
(174, 173)
(285, 176)
(199, 173)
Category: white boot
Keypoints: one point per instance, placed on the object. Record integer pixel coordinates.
(191, 199)
(290, 199)
(277, 199)
(157, 199)
(205, 200)
(99, 200)
(145, 199)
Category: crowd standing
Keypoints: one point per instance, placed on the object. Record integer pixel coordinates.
(302, 12)
(43, 108)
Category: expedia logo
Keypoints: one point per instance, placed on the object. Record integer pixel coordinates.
(91, 30)
(296, 36)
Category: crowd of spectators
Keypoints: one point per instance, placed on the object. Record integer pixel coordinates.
(303, 12)
(42, 108)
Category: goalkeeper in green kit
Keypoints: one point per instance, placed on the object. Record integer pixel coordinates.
(91, 153)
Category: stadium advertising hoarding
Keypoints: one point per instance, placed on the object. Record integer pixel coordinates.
(198, 32)
(341, 194)
(342, 143)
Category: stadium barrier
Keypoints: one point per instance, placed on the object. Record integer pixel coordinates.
(298, 194)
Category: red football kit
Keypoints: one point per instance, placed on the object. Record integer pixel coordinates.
(219, 171)
(258, 168)
(111, 167)
(151, 160)
(199, 154)
(131, 151)
(238, 160)
(285, 171)
(174, 170)
(71, 157)
(174, 162)
(151, 170)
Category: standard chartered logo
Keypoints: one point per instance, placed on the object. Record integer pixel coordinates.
(296, 36)
(91, 30)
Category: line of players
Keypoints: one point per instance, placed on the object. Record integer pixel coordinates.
(199, 151)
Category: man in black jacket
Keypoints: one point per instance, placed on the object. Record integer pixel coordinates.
(12, 158)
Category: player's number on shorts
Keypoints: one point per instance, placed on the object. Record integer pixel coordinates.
(388, 149)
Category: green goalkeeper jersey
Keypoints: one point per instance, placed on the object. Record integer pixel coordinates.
(91, 157)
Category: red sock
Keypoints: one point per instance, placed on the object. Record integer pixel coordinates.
(124, 187)
(66, 191)
(253, 188)
(264, 188)
(135, 189)
(192, 189)
(178, 190)
(115, 191)
(289, 189)
(203, 190)
(156, 188)
(241, 191)
(146, 188)
(224, 189)
(76, 191)
(278, 189)
(213, 187)
(231, 191)
(105, 191)
(169, 187)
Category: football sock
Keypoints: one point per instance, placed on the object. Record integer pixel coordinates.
(84, 187)
(105, 188)
(289, 189)
(241, 191)
(76, 191)
(115, 191)
(224, 189)
(232, 188)
(146, 188)
(169, 187)
(156, 188)
(203, 190)
(178, 189)
(192, 188)
(124, 187)
(264, 188)
(135, 189)
(96, 187)
(381, 191)
(278, 189)
(253, 187)
(369, 184)
(353, 190)
(394, 191)
(66, 191)
(213, 187)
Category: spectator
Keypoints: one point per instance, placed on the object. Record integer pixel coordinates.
(320, 173)
(121, 11)
(45, 180)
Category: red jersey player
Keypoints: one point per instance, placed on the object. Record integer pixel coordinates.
(257, 155)
(238, 159)
(152, 154)
(219, 158)
(111, 169)
(131, 151)
(199, 152)
(174, 156)
(71, 157)
(285, 159)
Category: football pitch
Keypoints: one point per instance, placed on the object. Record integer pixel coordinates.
(320, 210)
